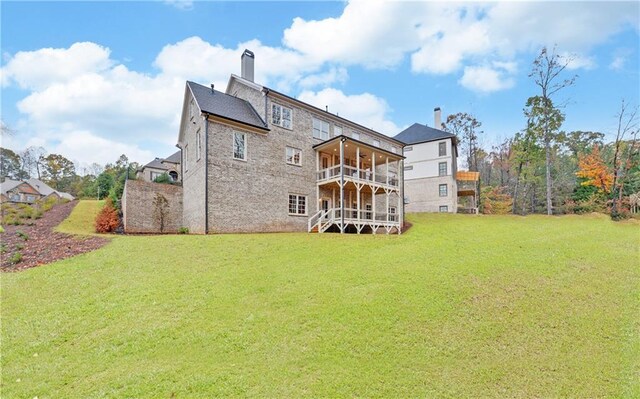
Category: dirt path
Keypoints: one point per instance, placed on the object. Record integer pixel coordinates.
(43, 244)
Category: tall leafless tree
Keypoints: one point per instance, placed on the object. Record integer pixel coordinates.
(627, 131)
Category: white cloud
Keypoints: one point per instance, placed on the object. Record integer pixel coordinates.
(485, 79)
(180, 4)
(620, 58)
(333, 75)
(577, 61)
(75, 145)
(365, 109)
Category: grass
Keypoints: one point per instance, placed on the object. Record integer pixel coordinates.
(460, 306)
(81, 221)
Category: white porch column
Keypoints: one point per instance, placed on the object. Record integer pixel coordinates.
(358, 184)
(317, 185)
(373, 188)
(401, 191)
(342, 185)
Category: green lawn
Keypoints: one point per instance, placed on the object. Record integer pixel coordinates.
(459, 306)
(82, 218)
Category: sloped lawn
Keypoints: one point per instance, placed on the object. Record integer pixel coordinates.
(460, 306)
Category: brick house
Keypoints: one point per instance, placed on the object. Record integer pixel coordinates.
(160, 166)
(28, 191)
(257, 160)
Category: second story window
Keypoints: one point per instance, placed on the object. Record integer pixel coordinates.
(376, 143)
(186, 157)
(407, 149)
(320, 129)
(281, 116)
(394, 150)
(442, 149)
(239, 146)
(294, 156)
(337, 131)
(192, 111)
(355, 135)
(442, 169)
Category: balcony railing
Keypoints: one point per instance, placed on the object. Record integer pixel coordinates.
(351, 214)
(351, 173)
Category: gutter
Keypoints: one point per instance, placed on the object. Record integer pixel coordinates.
(206, 174)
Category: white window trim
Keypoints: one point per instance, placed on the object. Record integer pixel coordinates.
(376, 141)
(191, 109)
(233, 146)
(281, 124)
(394, 149)
(286, 156)
(198, 145)
(355, 135)
(306, 204)
(334, 131)
(313, 118)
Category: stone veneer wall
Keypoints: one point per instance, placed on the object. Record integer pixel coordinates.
(138, 211)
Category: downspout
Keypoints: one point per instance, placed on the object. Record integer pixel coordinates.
(206, 173)
(342, 140)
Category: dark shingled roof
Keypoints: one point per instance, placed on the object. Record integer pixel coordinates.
(156, 164)
(226, 106)
(173, 158)
(418, 133)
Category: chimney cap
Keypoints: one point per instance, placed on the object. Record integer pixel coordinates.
(248, 53)
(436, 109)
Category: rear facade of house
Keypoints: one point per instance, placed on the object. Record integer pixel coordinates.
(256, 160)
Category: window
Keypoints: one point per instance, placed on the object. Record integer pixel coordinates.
(297, 204)
(320, 129)
(191, 109)
(186, 157)
(442, 188)
(31, 198)
(410, 167)
(281, 116)
(15, 197)
(355, 135)
(239, 146)
(173, 175)
(337, 131)
(392, 213)
(442, 169)
(294, 156)
(198, 145)
(394, 150)
(154, 175)
(407, 149)
(444, 208)
(442, 149)
(376, 143)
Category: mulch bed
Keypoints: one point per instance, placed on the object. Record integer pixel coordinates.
(43, 244)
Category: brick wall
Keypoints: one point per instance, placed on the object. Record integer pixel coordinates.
(139, 213)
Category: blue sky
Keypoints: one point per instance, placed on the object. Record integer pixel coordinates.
(93, 80)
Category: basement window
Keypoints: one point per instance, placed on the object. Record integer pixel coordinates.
(444, 208)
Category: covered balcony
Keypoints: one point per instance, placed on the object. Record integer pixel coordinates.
(359, 188)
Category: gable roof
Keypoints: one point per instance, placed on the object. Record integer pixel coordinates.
(418, 133)
(40, 186)
(226, 106)
(173, 158)
(9, 184)
(156, 164)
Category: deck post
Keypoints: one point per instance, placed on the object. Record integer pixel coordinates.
(373, 191)
(358, 186)
(401, 193)
(342, 185)
(317, 185)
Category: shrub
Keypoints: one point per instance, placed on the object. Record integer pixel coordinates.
(22, 235)
(494, 201)
(47, 203)
(107, 220)
(15, 258)
(183, 230)
(19, 247)
(163, 178)
(25, 211)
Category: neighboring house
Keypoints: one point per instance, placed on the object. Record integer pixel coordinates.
(19, 192)
(28, 191)
(160, 166)
(257, 160)
(430, 168)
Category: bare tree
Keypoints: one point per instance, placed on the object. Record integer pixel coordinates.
(546, 73)
(627, 131)
(160, 210)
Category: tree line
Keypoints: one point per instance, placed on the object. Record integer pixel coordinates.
(61, 174)
(544, 169)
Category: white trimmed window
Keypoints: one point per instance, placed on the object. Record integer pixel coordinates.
(186, 157)
(392, 213)
(239, 146)
(297, 204)
(355, 135)
(376, 143)
(444, 208)
(337, 131)
(198, 145)
(281, 116)
(320, 129)
(394, 150)
(442, 169)
(192, 108)
(442, 188)
(442, 149)
(294, 156)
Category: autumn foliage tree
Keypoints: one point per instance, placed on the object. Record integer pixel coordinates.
(107, 220)
(594, 171)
